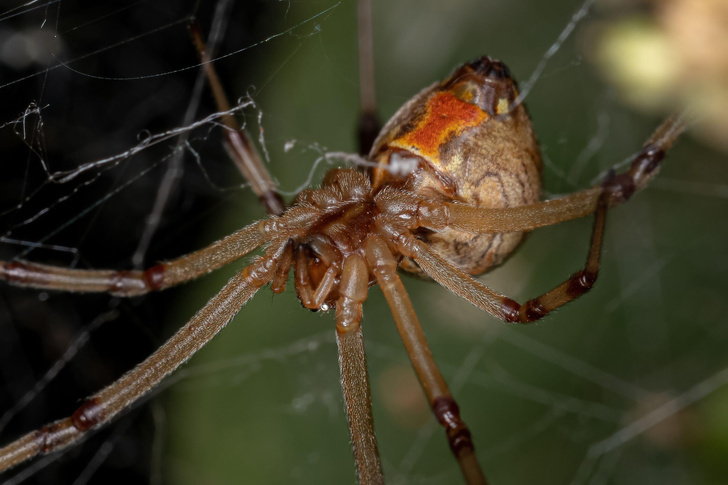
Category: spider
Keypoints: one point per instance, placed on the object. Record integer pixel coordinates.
(423, 236)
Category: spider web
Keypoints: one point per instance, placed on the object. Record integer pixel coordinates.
(623, 386)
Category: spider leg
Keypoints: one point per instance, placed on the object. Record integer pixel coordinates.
(163, 275)
(619, 188)
(103, 406)
(278, 285)
(369, 124)
(499, 305)
(136, 282)
(384, 266)
(239, 146)
(353, 367)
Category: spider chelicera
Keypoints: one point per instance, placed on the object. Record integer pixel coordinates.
(415, 210)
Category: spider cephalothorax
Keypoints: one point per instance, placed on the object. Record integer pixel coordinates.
(346, 213)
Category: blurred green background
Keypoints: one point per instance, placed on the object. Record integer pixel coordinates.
(261, 403)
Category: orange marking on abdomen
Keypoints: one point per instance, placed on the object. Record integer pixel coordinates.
(445, 115)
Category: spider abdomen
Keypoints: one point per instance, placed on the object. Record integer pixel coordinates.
(463, 140)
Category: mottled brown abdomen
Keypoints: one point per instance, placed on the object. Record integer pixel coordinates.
(463, 140)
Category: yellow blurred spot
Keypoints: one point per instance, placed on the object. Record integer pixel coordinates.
(503, 106)
(636, 55)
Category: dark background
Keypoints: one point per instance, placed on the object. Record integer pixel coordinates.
(261, 403)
